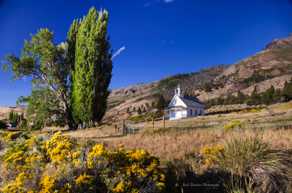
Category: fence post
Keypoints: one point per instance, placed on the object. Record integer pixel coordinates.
(116, 129)
(153, 122)
(124, 128)
(163, 121)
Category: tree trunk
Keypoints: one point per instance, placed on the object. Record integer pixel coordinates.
(69, 118)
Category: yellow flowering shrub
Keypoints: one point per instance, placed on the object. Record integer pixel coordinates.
(77, 158)
(93, 156)
(83, 179)
(119, 188)
(60, 164)
(47, 184)
(59, 148)
(210, 154)
(20, 155)
(10, 136)
(19, 184)
(138, 154)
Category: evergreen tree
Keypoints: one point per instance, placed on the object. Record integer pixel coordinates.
(287, 91)
(240, 97)
(254, 98)
(161, 103)
(230, 99)
(93, 68)
(268, 96)
(139, 111)
(278, 96)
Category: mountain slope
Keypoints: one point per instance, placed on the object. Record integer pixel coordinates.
(272, 66)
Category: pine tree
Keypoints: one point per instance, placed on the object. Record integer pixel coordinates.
(161, 103)
(139, 111)
(278, 95)
(287, 91)
(268, 96)
(93, 68)
(254, 98)
(240, 97)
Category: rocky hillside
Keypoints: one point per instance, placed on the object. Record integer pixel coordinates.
(272, 66)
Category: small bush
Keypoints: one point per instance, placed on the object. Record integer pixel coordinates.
(8, 136)
(3, 125)
(145, 117)
(254, 166)
(252, 110)
(210, 154)
(235, 124)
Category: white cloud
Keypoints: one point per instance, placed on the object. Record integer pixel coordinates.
(150, 3)
(168, 1)
(118, 52)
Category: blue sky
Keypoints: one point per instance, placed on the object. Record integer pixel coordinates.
(162, 37)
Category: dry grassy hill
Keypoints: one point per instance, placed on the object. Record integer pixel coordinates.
(272, 66)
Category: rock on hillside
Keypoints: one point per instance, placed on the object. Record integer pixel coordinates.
(278, 43)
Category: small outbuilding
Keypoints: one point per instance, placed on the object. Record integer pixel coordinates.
(184, 106)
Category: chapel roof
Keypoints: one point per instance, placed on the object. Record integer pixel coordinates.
(190, 101)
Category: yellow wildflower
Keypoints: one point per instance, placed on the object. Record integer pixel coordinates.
(120, 187)
(137, 154)
(210, 154)
(96, 152)
(59, 148)
(47, 184)
(83, 179)
(136, 170)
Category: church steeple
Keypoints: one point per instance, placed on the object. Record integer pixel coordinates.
(177, 91)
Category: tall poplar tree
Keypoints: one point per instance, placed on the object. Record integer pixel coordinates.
(71, 79)
(93, 68)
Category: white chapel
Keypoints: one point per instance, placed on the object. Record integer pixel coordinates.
(184, 106)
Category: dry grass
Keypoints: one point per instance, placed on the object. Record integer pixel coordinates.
(183, 137)
(177, 145)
